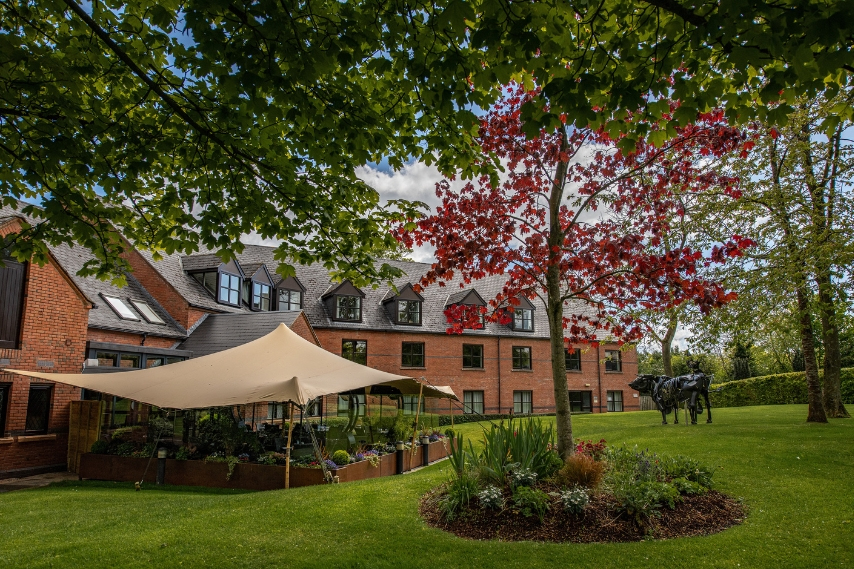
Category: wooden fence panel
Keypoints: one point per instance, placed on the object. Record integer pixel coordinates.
(84, 428)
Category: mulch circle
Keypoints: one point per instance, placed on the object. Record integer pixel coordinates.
(694, 515)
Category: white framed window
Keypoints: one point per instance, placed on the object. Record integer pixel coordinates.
(473, 402)
(523, 402)
(147, 312)
(119, 307)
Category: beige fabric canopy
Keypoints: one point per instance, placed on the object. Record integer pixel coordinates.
(278, 367)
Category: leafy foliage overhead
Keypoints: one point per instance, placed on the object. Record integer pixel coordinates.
(187, 122)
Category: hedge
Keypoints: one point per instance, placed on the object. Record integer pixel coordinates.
(778, 389)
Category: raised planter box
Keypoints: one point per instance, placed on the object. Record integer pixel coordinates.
(245, 476)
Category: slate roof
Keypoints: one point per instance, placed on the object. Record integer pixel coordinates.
(171, 267)
(71, 259)
(224, 331)
(200, 262)
(374, 317)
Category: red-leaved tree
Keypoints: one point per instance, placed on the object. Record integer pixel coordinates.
(577, 224)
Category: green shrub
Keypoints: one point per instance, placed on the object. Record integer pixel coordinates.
(688, 468)
(460, 490)
(183, 453)
(685, 486)
(574, 500)
(520, 476)
(778, 389)
(100, 447)
(642, 498)
(531, 502)
(527, 444)
(341, 458)
(125, 449)
(491, 497)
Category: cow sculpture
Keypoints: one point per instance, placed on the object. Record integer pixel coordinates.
(669, 392)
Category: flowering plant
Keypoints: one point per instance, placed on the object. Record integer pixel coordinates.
(596, 451)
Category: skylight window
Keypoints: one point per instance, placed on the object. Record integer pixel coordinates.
(122, 309)
(147, 312)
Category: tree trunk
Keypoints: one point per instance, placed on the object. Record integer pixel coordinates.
(554, 307)
(563, 416)
(815, 414)
(666, 343)
(832, 384)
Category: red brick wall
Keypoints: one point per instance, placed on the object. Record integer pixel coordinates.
(497, 379)
(55, 317)
(160, 289)
(96, 335)
(303, 328)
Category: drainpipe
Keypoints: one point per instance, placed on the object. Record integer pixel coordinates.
(499, 375)
(599, 376)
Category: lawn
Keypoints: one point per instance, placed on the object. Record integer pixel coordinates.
(796, 479)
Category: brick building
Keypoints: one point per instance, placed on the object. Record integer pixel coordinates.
(177, 307)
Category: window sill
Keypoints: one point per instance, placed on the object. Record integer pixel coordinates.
(473, 369)
(35, 438)
(413, 367)
(573, 371)
(523, 370)
(613, 371)
(7, 441)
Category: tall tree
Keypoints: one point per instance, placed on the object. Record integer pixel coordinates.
(188, 122)
(572, 230)
(797, 202)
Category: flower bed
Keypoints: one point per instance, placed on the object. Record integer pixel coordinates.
(246, 476)
(518, 488)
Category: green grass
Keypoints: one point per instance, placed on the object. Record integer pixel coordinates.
(797, 480)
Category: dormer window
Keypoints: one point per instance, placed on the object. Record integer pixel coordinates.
(290, 294)
(523, 319)
(404, 307)
(229, 289)
(348, 308)
(290, 299)
(260, 296)
(223, 280)
(473, 302)
(408, 312)
(258, 287)
(523, 316)
(344, 302)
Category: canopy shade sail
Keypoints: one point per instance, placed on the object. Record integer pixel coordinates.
(278, 367)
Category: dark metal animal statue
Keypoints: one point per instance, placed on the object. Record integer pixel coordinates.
(669, 392)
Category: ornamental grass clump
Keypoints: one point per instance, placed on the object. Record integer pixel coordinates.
(581, 470)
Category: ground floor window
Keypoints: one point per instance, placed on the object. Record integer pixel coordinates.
(581, 401)
(347, 402)
(38, 408)
(473, 402)
(615, 401)
(523, 402)
(409, 404)
(276, 410)
(4, 406)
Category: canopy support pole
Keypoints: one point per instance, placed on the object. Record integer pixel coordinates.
(415, 428)
(451, 411)
(288, 448)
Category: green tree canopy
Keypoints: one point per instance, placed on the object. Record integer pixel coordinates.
(187, 122)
